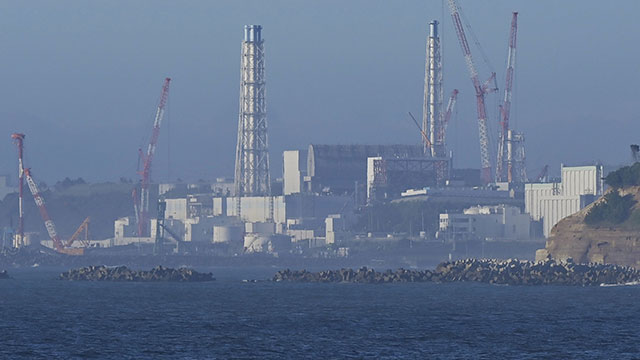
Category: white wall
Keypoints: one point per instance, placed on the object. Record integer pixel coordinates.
(256, 208)
(176, 209)
(501, 222)
(582, 180)
(552, 202)
(294, 169)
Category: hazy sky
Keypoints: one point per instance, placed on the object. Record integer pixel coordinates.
(82, 79)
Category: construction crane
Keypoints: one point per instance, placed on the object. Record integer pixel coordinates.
(425, 137)
(543, 174)
(84, 227)
(505, 108)
(19, 140)
(481, 90)
(58, 245)
(442, 134)
(141, 201)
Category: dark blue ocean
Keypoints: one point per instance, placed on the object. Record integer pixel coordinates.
(44, 318)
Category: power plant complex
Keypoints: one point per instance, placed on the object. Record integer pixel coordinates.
(328, 191)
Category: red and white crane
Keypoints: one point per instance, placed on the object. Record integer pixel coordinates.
(48, 223)
(141, 204)
(481, 90)
(505, 108)
(19, 140)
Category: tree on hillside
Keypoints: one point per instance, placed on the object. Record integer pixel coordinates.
(614, 209)
(625, 176)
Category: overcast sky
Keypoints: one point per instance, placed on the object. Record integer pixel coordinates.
(82, 80)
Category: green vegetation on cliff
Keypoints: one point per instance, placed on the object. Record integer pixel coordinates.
(615, 209)
(625, 176)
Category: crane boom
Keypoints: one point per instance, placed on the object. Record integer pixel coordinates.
(505, 108)
(425, 137)
(543, 174)
(481, 90)
(142, 208)
(48, 223)
(442, 135)
(84, 227)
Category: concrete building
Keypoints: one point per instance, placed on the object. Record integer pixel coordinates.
(500, 222)
(222, 187)
(125, 232)
(552, 202)
(176, 209)
(334, 229)
(256, 209)
(387, 178)
(294, 171)
(462, 196)
(338, 169)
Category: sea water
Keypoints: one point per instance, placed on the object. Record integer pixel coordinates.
(42, 317)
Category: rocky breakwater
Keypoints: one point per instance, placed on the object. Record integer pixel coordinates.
(123, 273)
(507, 272)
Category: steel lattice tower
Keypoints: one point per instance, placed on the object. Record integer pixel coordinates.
(252, 156)
(432, 115)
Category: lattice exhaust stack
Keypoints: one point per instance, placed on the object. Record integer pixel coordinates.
(252, 156)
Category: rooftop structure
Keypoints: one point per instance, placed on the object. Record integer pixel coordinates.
(337, 168)
(387, 178)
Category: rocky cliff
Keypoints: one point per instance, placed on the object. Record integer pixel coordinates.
(603, 243)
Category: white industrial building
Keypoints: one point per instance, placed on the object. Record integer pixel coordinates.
(294, 171)
(552, 202)
(280, 209)
(500, 222)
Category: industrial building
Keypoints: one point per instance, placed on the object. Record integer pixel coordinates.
(551, 202)
(337, 169)
(463, 196)
(323, 185)
(387, 178)
(298, 211)
(500, 222)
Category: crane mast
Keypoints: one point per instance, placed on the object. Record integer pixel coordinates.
(142, 208)
(481, 90)
(505, 108)
(19, 140)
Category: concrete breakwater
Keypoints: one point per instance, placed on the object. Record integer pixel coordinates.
(123, 273)
(507, 272)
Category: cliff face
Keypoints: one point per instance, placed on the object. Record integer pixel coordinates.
(572, 238)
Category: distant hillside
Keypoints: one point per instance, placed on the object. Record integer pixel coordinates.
(69, 203)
